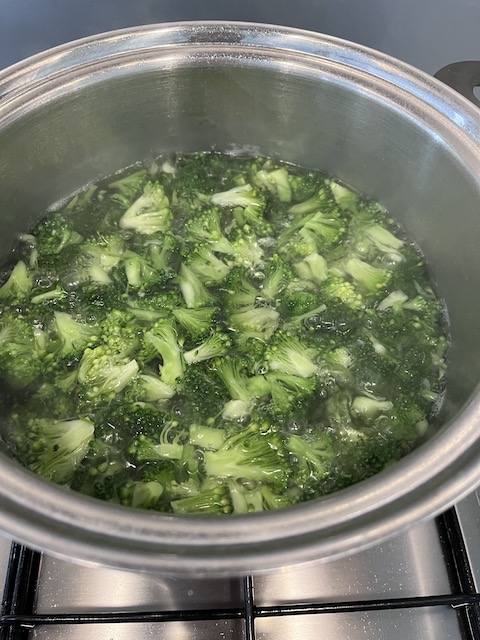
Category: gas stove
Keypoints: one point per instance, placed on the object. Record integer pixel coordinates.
(422, 584)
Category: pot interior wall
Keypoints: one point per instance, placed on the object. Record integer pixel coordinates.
(98, 125)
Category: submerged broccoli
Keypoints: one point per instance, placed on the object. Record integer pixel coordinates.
(150, 213)
(18, 285)
(214, 334)
(54, 448)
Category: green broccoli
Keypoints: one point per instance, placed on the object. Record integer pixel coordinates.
(104, 374)
(215, 345)
(313, 457)
(276, 182)
(240, 292)
(53, 234)
(372, 280)
(197, 322)
(278, 275)
(18, 285)
(193, 290)
(162, 341)
(205, 265)
(74, 336)
(288, 354)
(167, 445)
(54, 448)
(150, 213)
(250, 455)
(141, 495)
(205, 228)
(258, 323)
(214, 500)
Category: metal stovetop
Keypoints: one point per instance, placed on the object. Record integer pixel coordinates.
(421, 585)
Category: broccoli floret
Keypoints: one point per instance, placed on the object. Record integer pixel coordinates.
(151, 307)
(288, 354)
(258, 323)
(242, 196)
(197, 322)
(244, 498)
(248, 206)
(119, 333)
(162, 340)
(74, 336)
(368, 409)
(278, 275)
(92, 261)
(217, 344)
(337, 288)
(275, 182)
(24, 350)
(55, 297)
(240, 292)
(246, 250)
(326, 227)
(104, 374)
(344, 197)
(54, 448)
(18, 285)
(53, 234)
(167, 445)
(322, 200)
(148, 387)
(205, 228)
(214, 500)
(290, 393)
(128, 420)
(150, 213)
(206, 437)
(313, 268)
(372, 280)
(193, 289)
(164, 252)
(297, 301)
(252, 454)
(313, 456)
(128, 187)
(141, 495)
(305, 185)
(140, 274)
(207, 267)
(206, 395)
(233, 374)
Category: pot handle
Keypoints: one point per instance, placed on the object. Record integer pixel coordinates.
(463, 77)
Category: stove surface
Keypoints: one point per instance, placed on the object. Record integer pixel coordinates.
(408, 587)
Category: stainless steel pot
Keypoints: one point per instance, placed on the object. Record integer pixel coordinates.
(89, 108)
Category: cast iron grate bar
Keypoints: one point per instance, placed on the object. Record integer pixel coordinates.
(17, 616)
(19, 589)
(462, 579)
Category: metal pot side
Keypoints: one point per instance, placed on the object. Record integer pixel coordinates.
(90, 108)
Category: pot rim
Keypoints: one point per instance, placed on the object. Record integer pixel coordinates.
(421, 485)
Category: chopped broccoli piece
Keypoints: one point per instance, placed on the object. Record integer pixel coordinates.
(150, 213)
(288, 354)
(193, 289)
(205, 228)
(54, 448)
(74, 336)
(162, 340)
(18, 285)
(217, 344)
(197, 322)
(211, 500)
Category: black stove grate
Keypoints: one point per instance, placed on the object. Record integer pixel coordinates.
(18, 615)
